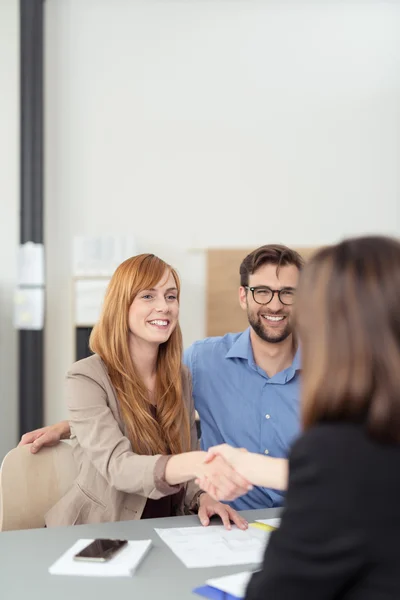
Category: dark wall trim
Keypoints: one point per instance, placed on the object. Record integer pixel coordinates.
(31, 343)
(82, 335)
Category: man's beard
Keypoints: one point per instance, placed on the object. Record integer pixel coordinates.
(256, 321)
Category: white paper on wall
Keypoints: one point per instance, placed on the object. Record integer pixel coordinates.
(89, 296)
(30, 264)
(100, 255)
(29, 308)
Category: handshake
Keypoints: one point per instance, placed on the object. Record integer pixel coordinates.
(227, 473)
(222, 474)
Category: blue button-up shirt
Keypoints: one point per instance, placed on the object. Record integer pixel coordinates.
(240, 405)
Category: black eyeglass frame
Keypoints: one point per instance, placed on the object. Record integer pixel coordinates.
(273, 292)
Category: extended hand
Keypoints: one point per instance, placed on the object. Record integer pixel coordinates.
(220, 480)
(211, 485)
(261, 470)
(229, 453)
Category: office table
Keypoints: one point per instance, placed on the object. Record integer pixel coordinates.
(25, 557)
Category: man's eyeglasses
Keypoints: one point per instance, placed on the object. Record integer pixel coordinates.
(264, 295)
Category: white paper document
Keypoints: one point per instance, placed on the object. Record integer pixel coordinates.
(272, 522)
(95, 255)
(31, 264)
(29, 308)
(89, 296)
(215, 546)
(235, 585)
(123, 564)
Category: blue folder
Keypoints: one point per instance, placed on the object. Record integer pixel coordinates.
(207, 591)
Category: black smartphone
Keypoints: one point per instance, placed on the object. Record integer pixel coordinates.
(101, 550)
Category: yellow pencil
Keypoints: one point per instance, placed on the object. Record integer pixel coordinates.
(262, 526)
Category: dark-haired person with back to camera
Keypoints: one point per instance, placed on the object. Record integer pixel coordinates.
(340, 530)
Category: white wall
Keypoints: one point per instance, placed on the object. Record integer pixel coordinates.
(198, 123)
(9, 206)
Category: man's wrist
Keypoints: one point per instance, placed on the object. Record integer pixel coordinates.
(201, 494)
(65, 430)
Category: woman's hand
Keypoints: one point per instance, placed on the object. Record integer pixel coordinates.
(220, 480)
(266, 471)
(209, 507)
(232, 455)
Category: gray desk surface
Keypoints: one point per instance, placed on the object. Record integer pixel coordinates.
(25, 557)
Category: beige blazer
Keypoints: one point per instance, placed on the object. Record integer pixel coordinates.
(113, 483)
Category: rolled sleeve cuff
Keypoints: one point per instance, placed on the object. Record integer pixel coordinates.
(159, 478)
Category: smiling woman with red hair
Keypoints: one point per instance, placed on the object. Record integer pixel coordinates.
(131, 411)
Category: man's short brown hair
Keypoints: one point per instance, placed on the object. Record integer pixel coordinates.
(271, 254)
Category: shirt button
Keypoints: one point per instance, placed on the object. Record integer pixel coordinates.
(267, 416)
(266, 451)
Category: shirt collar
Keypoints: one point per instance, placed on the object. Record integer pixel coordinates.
(242, 348)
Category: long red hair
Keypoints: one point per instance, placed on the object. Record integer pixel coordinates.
(170, 431)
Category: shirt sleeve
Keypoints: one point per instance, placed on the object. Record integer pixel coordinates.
(188, 357)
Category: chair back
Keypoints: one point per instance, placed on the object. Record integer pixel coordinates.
(30, 484)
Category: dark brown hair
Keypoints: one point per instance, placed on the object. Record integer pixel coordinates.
(271, 254)
(348, 319)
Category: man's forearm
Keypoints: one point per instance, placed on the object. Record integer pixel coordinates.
(65, 430)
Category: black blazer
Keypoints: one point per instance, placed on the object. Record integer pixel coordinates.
(340, 531)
